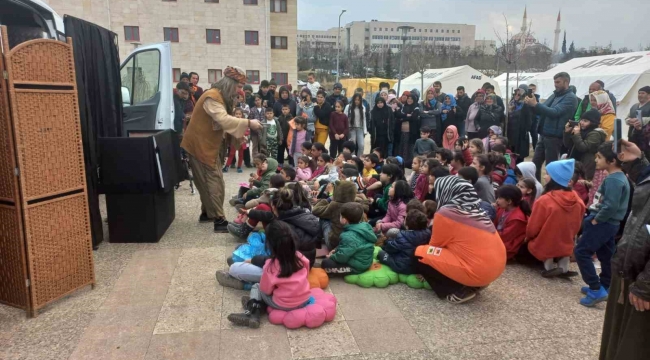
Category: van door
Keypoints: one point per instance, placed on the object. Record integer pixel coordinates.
(147, 95)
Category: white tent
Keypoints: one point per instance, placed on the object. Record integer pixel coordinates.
(524, 78)
(451, 78)
(623, 75)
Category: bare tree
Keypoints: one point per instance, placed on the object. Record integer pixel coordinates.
(512, 48)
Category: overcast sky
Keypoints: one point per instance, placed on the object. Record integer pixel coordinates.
(622, 22)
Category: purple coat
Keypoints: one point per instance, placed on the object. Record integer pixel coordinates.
(395, 216)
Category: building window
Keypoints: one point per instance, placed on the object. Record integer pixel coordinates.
(375, 29)
(214, 75)
(280, 78)
(250, 2)
(447, 31)
(131, 33)
(171, 34)
(278, 42)
(458, 31)
(169, 0)
(419, 30)
(251, 37)
(176, 74)
(213, 36)
(279, 6)
(253, 76)
(453, 31)
(212, 1)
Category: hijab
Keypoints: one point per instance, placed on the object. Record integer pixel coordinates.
(380, 114)
(405, 94)
(390, 98)
(452, 104)
(528, 170)
(408, 109)
(430, 104)
(604, 102)
(450, 144)
(459, 195)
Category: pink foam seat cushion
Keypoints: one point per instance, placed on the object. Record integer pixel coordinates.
(312, 316)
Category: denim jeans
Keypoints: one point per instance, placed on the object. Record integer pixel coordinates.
(326, 226)
(597, 239)
(245, 272)
(357, 136)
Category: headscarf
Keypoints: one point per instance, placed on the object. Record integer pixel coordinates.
(496, 129)
(405, 94)
(451, 105)
(380, 113)
(429, 104)
(288, 99)
(408, 109)
(390, 98)
(459, 195)
(450, 144)
(489, 142)
(528, 170)
(604, 103)
(479, 92)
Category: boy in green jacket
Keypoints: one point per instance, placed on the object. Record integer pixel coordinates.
(355, 251)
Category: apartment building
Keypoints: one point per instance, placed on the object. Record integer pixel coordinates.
(206, 35)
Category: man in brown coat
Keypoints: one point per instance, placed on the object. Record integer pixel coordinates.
(212, 117)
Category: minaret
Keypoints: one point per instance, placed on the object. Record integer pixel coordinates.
(524, 24)
(556, 43)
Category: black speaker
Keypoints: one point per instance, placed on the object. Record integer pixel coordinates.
(139, 218)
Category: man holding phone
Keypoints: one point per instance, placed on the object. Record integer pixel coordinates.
(553, 116)
(638, 120)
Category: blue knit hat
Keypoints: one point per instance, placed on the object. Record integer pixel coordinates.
(561, 171)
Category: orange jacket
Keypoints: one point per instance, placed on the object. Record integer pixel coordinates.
(463, 249)
(554, 223)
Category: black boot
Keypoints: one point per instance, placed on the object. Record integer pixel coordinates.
(220, 225)
(250, 317)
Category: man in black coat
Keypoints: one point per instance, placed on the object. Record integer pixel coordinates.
(336, 95)
(463, 102)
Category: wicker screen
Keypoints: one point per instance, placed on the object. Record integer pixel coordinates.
(47, 144)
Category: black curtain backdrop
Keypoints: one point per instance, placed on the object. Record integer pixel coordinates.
(97, 66)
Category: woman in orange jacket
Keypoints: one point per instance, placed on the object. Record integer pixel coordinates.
(465, 252)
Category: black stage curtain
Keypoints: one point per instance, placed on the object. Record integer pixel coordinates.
(97, 67)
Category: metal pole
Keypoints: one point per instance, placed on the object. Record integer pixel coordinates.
(338, 46)
(401, 61)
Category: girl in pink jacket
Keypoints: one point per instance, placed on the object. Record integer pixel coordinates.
(304, 168)
(400, 194)
(284, 284)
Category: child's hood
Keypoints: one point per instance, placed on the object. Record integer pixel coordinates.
(566, 200)
(272, 166)
(344, 191)
(362, 230)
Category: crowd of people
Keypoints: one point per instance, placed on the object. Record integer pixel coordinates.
(445, 190)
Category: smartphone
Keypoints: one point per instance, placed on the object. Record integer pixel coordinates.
(529, 93)
(574, 123)
(618, 133)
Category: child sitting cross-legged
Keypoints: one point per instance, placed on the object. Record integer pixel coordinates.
(243, 228)
(266, 167)
(400, 194)
(512, 217)
(304, 168)
(356, 248)
(398, 253)
(283, 284)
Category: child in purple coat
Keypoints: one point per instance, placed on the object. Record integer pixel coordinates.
(400, 194)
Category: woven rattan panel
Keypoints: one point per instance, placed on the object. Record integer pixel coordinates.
(7, 177)
(42, 61)
(59, 247)
(49, 141)
(13, 290)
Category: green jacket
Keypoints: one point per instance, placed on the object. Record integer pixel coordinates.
(579, 112)
(263, 183)
(383, 202)
(344, 192)
(357, 246)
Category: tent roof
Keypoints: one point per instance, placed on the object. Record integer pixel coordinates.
(450, 78)
(619, 72)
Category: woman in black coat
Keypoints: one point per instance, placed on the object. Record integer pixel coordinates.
(409, 120)
(490, 114)
(382, 126)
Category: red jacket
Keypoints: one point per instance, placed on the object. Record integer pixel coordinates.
(554, 223)
(514, 230)
(422, 187)
(468, 157)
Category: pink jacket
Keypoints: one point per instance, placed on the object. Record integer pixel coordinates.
(395, 216)
(303, 174)
(288, 292)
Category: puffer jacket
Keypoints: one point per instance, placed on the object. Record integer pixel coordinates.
(264, 182)
(555, 111)
(489, 115)
(305, 225)
(632, 258)
(344, 192)
(401, 249)
(430, 115)
(585, 149)
(357, 246)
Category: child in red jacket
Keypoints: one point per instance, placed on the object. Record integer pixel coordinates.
(512, 218)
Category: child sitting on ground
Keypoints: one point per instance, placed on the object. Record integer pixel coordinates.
(578, 182)
(283, 284)
(400, 194)
(304, 168)
(349, 147)
(528, 190)
(483, 185)
(470, 174)
(512, 218)
(476, 148)
(354, 253)
(555, 221)
(412, 179)
(398, 253)
(266, 167)
(329, 211)
(445, 156)
(422, 185)
(457, 162)
(430, 207)
(370, 162)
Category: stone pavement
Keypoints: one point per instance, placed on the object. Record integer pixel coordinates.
(162, 301)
